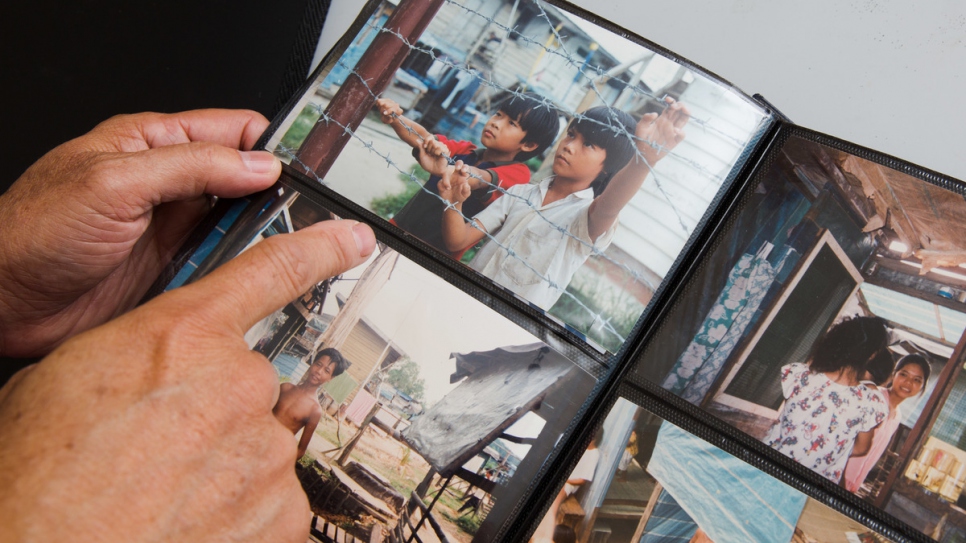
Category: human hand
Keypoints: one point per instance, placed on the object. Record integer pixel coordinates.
(454, 186)
(657, 134)
(434, 156)
(388, 110)
(89, 227)
(158, 426)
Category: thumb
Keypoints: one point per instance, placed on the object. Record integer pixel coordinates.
(276, 271)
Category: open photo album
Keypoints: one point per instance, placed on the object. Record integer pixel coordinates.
(615, 299)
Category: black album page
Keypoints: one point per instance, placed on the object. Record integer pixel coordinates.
(561, 206)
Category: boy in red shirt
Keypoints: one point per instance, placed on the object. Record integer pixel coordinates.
(523, 127)
(541, 234)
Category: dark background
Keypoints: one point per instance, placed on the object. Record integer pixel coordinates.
(68, 65)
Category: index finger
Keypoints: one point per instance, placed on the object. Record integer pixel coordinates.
(678, 114)
(278, 270)
(238, 129)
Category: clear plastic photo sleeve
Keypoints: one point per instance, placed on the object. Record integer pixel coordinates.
(828, 322)
(644, 479)
(418, 409)
(591, 159)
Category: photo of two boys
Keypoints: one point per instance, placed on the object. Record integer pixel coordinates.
(563, 162)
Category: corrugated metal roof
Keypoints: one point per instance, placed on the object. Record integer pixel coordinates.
(917, 314)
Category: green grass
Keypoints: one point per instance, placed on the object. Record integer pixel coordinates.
(403, 484)
(468, 522)
(300, 127)
(387, 206)
(621, 309)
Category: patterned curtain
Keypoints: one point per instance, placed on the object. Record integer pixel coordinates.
(697, 368)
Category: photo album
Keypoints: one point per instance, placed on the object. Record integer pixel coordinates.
(615, 299)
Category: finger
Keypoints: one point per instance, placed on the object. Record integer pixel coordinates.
(278, 270)
(184, 171)
(683, 116)
(239, 129)
(676, 113)
(645, 127)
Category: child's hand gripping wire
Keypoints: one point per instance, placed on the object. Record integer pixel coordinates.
(454, 187)
(434, 156)
(657, 135)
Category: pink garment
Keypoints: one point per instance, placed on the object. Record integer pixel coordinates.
(859, 467)
(360, 407)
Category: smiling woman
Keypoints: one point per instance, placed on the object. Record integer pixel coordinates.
(911, 374)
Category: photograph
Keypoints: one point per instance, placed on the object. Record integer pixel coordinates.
(564, 162)
(828, 322)
(645, 480)
(420, 414)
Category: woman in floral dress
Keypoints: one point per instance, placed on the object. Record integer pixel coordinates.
(828, 413)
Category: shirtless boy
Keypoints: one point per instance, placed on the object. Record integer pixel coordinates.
(298, 405)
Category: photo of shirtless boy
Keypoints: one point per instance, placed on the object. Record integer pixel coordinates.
(298, 405)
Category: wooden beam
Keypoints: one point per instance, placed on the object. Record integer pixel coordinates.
(883, 197)
(932, 259)
(344, 455)
(428, 515)
(518, 440)
(476, 480)
(651, 502)
(913, 271)
(427, 510)
(918, 293)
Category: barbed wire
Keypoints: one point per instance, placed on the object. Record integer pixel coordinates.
(411, 175)
(569, 59)
(546, 102)
(617, 128)
(494, 187)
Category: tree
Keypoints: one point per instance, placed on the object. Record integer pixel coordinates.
(404, 375)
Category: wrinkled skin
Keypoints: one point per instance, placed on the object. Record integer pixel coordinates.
(154, 423)
(88, 227)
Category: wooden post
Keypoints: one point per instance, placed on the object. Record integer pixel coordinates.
(344, 455)
(426, 511)
(423, 487)
(651, 502)
(371, 75)
(426, 514)
(366, 288)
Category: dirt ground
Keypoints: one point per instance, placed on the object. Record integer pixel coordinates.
(385, 455)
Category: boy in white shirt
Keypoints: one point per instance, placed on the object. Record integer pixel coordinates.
(542, 233)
